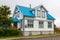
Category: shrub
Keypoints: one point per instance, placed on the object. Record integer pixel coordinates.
(9, 32)
(1, 32)
(57, 30)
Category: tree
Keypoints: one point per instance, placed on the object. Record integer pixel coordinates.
(4, 16)
(54, 26)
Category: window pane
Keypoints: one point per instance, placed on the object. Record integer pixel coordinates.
(43, 14)
(38, 13)
(30, 23)
(41, 24)
(49, 24)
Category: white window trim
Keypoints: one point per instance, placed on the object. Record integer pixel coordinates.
(50, 24)
(41, 24)
(29, 23)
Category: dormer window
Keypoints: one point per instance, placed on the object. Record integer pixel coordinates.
(43, 14)
(33, 12)
(17, 10)
(38, 13)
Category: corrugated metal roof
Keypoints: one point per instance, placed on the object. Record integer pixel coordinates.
(25, 11)
(49, 16)
(15, 19)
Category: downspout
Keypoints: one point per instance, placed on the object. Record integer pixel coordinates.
(23, 25)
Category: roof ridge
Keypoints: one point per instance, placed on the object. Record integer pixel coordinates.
(24, 6)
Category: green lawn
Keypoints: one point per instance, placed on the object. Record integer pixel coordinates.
(33, 36)
(10, 37)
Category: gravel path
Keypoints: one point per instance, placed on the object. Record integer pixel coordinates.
(41, 38)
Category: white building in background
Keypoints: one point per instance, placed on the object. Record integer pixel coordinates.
(33, 21)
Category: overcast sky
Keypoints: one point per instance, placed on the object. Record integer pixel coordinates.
(53, 6)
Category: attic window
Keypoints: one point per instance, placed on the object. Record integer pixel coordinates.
(33, 11)
(38, 13)
(43, 14)
(18, 11)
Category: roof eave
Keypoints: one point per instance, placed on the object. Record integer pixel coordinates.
(28, 16)
(50, 19)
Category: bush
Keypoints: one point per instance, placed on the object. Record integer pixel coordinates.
(1, 32)
(57, 30)
(9, 32)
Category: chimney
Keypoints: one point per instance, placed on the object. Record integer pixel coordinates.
(30, 5)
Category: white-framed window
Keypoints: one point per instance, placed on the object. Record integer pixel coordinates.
(16, 10)
(21, 23)
(33, 11)
(43, 14)
(49, 24)
(16, 13)
(41, 24)
(30, 23)
(38, 13)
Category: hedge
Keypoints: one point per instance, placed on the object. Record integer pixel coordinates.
(8, 32)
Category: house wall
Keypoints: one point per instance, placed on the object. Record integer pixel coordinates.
(36, 26)
(18, 25)
(36, 30)
(12, 24)
(17, 14)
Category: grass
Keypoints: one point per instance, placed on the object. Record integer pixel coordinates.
(43, 35)
(33, 36)
(9, 37)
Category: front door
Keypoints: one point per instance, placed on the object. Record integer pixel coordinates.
(15, 25)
